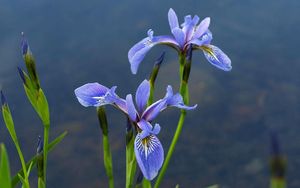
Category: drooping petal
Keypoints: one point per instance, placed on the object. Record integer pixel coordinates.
(179, 36)
(137, 53)
(132, 113)
(173, 20)
(177, 101)
(142, 95)
(201, 28)
(92, 94)
(217, 57)
(149, 155)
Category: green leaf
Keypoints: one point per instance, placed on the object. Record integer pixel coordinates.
(15, 180)
(22, 180)
(5, 179)
(29, 168)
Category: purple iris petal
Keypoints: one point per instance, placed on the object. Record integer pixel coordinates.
(149, 155)
(203, 40)
(177, 101)
(119, 102)
(142, 95)
(131, 108)
(146, 126)
(188, 27)
(217, 57)
(137, 53)
(173, 20)
(154, 109)
(92, 94)
(179, 36)
(202, 28)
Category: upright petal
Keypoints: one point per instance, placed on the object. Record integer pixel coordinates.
(201, 28)
(149, 155)
(188, 27)
(173, 20)
(217, 57)
(142, 95)
(137, 53)
(179, 35)
(92, 94)
(131, 108)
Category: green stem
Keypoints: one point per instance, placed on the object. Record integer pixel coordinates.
(23, 165)
(185, 94)
(107, 156)
(130, 157)
(45, 150)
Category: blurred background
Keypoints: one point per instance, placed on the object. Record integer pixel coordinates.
(225, 140)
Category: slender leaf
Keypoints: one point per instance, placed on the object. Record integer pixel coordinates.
(5, 179)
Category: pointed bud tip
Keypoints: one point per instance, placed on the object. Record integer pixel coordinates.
(3, 100)
(39, 148)
(21, 73)
(24, 44)
(160, 59)
(189, 52)
(275, 150)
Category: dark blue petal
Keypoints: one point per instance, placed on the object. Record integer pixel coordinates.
(149, 155)
(173, 20)
(217, 57)
(92, 94)
(142, 95)
(131, 108)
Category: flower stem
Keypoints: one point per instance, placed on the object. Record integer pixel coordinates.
(23, 165)
(107, 156)
(184, 74)
(130, 157)
(45, 150)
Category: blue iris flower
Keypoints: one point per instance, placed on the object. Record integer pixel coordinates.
(148, 149)
(189, 33)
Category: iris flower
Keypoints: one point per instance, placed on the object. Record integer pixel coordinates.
(189, 33)
(148, 149)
